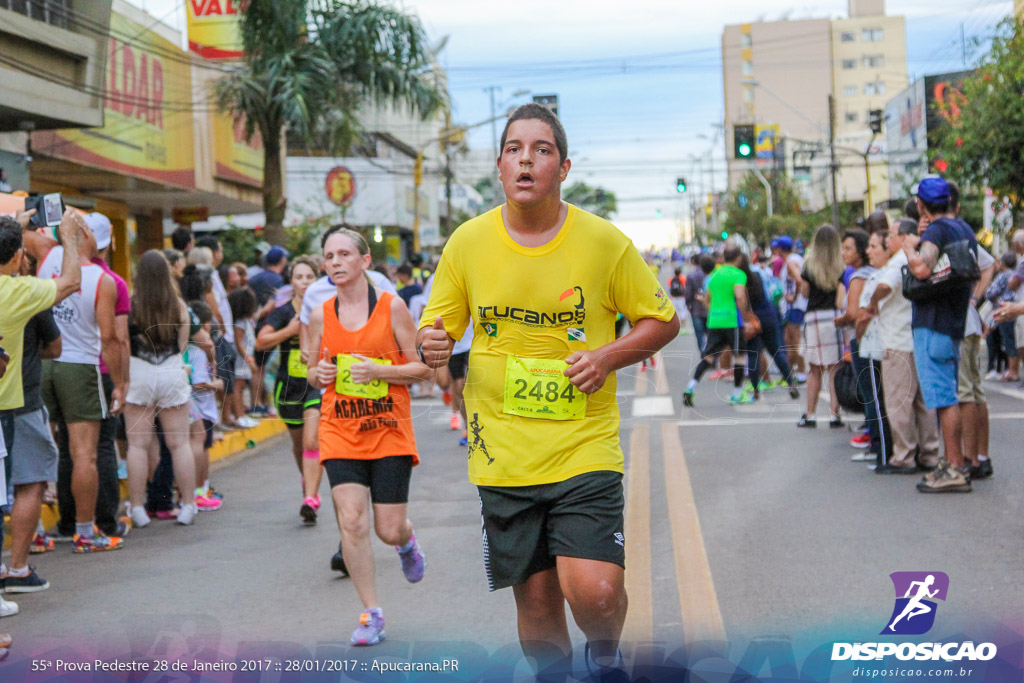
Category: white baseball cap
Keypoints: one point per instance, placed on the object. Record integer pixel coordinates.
(100, 227)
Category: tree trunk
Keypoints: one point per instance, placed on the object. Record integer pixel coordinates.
(274, 202)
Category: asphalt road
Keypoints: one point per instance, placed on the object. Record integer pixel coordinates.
(740, 527)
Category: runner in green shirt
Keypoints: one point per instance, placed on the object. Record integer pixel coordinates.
(727, 297)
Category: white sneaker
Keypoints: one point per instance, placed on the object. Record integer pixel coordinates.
(8, 608)
(187, 513)
(992, 375)
(863, 456)
(140, 517)
(247, 422)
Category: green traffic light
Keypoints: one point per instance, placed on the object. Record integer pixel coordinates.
(725, 235)
(680, 188)
(744, 150)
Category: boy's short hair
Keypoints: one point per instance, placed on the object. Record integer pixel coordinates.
(532, 110)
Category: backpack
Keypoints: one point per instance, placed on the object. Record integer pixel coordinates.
(675, 287)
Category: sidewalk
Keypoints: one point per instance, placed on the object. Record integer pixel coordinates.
(232, 444)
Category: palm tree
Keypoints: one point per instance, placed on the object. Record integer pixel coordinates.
(309, 65)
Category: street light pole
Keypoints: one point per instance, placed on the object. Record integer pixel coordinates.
(833, 165)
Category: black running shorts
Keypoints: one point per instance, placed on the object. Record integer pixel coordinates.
(458, 365)
(526, 527)
(719, 339)
(291, 409)
(387, 478)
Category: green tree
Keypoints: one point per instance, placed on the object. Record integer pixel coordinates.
(983, 145)
(747, 209)
(596, 200)
(309, 64)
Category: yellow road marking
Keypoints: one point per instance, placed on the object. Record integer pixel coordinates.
(698, 603)
(661, 375)
(639, 626)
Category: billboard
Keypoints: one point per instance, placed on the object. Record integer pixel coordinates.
(943, 91)
(235, 159)
(213, 28)
(148, 126)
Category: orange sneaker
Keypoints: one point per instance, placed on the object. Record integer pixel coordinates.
(100, 542)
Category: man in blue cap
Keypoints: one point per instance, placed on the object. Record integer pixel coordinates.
(792, 316)
(938, 325)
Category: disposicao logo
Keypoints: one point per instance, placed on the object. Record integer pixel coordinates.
(916, 592)
(913, 614)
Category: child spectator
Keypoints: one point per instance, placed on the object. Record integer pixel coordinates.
(202, 409)
(243, 311)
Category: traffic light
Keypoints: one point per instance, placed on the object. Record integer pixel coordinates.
(680, 184)
(725, 235)
(743, 141)
(549, 101)
(875, 121)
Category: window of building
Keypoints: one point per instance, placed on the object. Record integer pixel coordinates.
(849, 63)
(851, 117)
(746, 40)
(850, 91)
(876, 88)
(748, 94)
(873, 61)
(872, 35)
(748, 68)
(847, 36)
(53, 12)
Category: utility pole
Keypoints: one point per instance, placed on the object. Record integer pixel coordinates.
(833, 164)
(499, 191)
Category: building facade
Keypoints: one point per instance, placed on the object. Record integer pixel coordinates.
(779, 76)
(148, 141)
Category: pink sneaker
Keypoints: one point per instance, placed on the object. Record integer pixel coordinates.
(456, 422)
(308, 511)
(208, 504)
(166, 514)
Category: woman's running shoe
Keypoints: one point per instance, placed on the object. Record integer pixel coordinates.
(338, 563)
(455, 422)
(208, 504)
(413, 561)
(371, 628)
(861, 440)
(308, 511)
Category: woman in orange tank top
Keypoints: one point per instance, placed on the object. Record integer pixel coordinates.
(366, 345)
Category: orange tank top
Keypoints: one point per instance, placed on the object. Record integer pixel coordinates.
(358, 428)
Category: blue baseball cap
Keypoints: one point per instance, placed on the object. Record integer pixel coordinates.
(785, 243)
(933, 190)
(275, 255)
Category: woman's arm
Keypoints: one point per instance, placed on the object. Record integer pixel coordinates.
(409, 372)
(852, 313)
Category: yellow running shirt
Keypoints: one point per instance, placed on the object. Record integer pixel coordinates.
(527, 424)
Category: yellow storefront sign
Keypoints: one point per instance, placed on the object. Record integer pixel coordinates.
(236, 159)
(148, 121)
(213, 28)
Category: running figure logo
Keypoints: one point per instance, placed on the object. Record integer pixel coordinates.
(914, 612)
(478, 441)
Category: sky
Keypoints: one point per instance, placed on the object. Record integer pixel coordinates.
(639, 82)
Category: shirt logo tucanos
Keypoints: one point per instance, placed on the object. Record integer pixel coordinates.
(528, 317)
